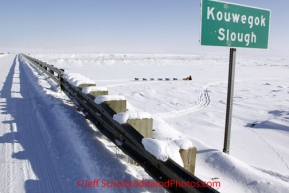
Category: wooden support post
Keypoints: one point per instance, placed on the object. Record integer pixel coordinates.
(51, 71)
(143, 126)
(189, 159)
(98, 93)
(59, 77)
(140, 121)
(117, 106)
(62, 71)
(86, 85)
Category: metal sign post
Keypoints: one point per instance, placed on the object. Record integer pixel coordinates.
(233, 25)
(230, 95)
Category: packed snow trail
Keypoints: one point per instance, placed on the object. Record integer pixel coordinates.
(24, 153)
(27, 164)
(45, 145)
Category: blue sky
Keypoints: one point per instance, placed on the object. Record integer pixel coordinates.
(136, 26)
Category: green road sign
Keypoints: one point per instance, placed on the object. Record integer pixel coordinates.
(233, 25)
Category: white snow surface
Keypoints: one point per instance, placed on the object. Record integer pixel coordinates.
(45, 145)
(164, 149)
(112, 97)
(89, 89)
(182, 110)
(77, 79)
(121, 118)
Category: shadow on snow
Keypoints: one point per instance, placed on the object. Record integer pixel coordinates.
(53, 157)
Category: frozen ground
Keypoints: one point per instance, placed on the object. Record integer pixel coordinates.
(193, 110)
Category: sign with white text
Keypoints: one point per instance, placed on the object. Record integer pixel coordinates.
(233, 25)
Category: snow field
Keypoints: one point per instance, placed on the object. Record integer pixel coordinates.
(161, 149)
(195, 110)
